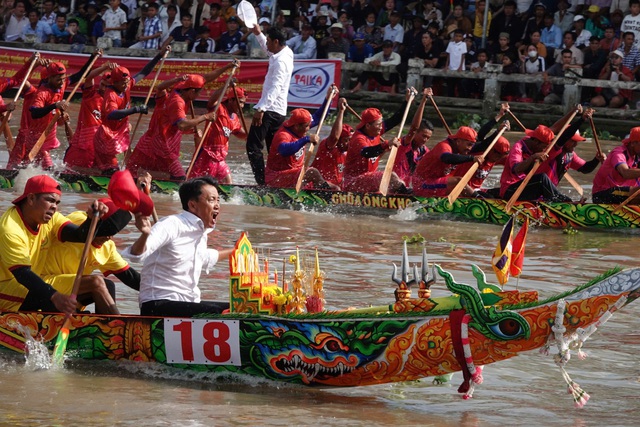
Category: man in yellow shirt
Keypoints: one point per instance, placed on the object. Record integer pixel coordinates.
(27, 232)
(103, 256)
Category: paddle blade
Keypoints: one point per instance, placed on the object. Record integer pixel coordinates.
(61, 346)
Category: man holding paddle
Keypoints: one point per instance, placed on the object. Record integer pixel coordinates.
(174, 252)
(27, 232)
(286, 154)
(40, 108)
(112, 137)
(618, 177)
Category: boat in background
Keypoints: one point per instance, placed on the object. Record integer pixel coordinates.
(545, 214)
(282, 332)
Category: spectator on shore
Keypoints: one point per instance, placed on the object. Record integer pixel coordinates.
(557, 70)
(596, 23)
(48, 12)
(201, 11)
(540, 47)
(95, 25)
(563, 18)
(75, 39)
(479, 30)
(506, 22)
(550, 35)
(458, 19)
(536, 22)
(360, 49)
(503, 47)
(335, 43)
(594, 59)
(474, 88)
(616, 19)
(170, 22)
(320, 32)
(37, 27)
(115, 21)
(577, 57)
(16, 23)
(372, 33)
(582, 35)
(412, 39)
(216, 24)
(532, 64)
(203, 43)
(184, 33)
(613, 70)
(304, 45)
(394, 31)
(59, 29)
(609, 42)
(345, 19)
(385, 58)
(151, 32)
(631, 22)
(511, 91)
(456, 50)
(384, 16)
(630, 52)
(231, 40)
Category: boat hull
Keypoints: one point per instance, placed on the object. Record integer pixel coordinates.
(329, 348)
(554, 215)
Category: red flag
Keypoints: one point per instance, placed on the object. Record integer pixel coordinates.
(517, 258)
(502, 256)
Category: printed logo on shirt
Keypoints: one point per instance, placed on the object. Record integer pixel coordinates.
(97, 114)
(299, 153)
(373, 160)
(226, 131)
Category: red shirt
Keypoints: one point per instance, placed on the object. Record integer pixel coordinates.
(431, 167)
(46, 96)
(356, 164)
(478, 178)
(276, 161)
(217, 143)
(114, 101)
(559, 162)
(90, 114)
(216, 28)
(330, 163)
(402, 165)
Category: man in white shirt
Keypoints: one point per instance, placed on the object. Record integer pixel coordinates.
(17, 22)
(174, 252)
(303, 46)
(394, 30)
(271, 109)
(115, 21)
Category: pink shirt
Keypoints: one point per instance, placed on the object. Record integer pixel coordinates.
(569, 161)
(519, 153)
(608, 176)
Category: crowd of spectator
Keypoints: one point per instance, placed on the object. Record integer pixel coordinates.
(591, 38)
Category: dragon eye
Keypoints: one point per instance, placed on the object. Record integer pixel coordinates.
(507, 328)
(328, 342)
(332, 345)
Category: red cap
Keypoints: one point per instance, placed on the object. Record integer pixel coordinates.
(112, 207)
(39, 184)
(502, 146)
(577, 137)
(230, 95)
(541, 133)
(106, 77)
(299, 115)
(465, 133)
(53, 69)
(119, 74)
(634, 136)
(125, 195)
(369, 115)
(194, 81)
(346, 131)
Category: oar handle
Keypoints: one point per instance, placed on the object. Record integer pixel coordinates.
(627, 200)
(240, 112)
(457, 190)
(311, 149)
(435, 107)
(354, 112)
(36, 56)
(7, 116)
(515, 119)
(388, 169)
(595, 136)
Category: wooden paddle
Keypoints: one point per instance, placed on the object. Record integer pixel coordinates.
(354, 112)
(435, 107)
(568, 177)
(309, 154)
(5, 119)
(536, 165)
(63, 335)
(457, 190)
(215, 110)
(240, 113)
(388, 169)
(36, 148)
(627, 200)
(595, 137)
(132, 137)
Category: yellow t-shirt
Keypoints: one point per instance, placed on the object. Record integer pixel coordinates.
(477, 28)
(20, 246)
(63, 258)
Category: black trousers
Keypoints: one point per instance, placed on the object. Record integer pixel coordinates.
(181, 308)
(613, 195)
(271, 122)
(539, 186)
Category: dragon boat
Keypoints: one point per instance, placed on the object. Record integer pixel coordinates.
(282, 332)
(544, 214)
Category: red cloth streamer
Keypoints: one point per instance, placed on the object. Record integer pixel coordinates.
(455, 322)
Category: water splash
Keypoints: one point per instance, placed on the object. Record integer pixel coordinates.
(37, 355)
(410, 213)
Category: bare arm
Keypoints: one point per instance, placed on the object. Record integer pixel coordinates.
(336, 130)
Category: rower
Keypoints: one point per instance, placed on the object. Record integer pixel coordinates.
(617, 179)
(174, 252)
(27, 232)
